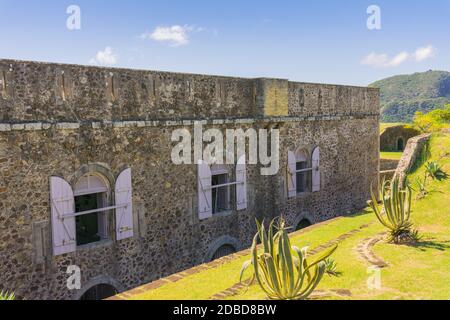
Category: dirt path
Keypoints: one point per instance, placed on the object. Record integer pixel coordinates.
(365, 251)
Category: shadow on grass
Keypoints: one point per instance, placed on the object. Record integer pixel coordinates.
(430, 244)
(359, 213)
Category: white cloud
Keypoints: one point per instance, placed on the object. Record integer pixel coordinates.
(424, 53)
(173, 35)
(398, 59)
(106, 57)
(375, 60)
(382, 60)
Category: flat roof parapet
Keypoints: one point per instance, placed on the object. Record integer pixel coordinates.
(50, 92)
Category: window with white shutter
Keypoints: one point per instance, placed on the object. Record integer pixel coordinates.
(215, 187)
(303, 175)
(81, 215)
(124, 204)
(316, 170)
(63, 220)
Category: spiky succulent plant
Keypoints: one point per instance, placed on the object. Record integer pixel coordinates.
(395, 211)
(284, 272)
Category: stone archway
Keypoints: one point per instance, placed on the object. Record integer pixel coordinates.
(302, 221)
(99, 292)
(221, 247)
(305, 223)
(99, 288)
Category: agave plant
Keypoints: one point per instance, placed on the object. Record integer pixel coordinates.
(421, 186)
(281, 274)
(6, 296)
(435, 171)
(331, 268)
(395, 212)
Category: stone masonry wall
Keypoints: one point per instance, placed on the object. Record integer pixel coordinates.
(48, 132)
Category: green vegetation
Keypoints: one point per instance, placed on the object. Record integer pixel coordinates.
(388, 155)
(280, 274)
(385, 125)
(433, 121)
(6, 296)
(402, 96)
(395, 212)
(417, 271)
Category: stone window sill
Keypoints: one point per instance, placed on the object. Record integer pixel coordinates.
(303, 194)
(95, 245)
(222, 214)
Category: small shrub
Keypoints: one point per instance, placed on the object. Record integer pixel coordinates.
(395, 211)
(281, 274)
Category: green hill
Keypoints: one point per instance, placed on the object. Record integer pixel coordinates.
(402, 96)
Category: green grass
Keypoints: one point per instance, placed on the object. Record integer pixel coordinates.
(419, 272)
(387, 155)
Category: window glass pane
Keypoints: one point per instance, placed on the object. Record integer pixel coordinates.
(87, 226)
(302, 177)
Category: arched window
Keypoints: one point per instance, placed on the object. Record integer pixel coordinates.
(303, 172)
(81, 212)
(91, 193)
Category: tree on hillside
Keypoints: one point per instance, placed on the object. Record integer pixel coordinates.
(435, 120)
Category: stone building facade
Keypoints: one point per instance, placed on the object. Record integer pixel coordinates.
(99, 139)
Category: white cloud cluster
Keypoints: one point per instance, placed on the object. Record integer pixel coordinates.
(424, 53)
(106, 57)
(384, 61)
(173, 35)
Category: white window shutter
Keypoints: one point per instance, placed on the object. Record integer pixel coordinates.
(241, 186)
(204, 191)
(124, 199)
(316, 170)
(292, 175)
(63, 226)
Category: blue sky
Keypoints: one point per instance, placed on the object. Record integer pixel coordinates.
(312, 41)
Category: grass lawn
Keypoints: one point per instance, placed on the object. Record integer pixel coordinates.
(397, 155)
(419, 272)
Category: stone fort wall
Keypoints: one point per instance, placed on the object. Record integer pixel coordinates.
(58, 120)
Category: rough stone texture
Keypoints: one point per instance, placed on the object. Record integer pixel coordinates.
(410, 155)
(386, 164)
(390, 136)
(116, 118)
